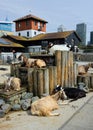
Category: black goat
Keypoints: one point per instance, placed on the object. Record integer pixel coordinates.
(71, 93)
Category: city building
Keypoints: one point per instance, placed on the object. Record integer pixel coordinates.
(81, 31)
(29, 26)
(91, 38)
(6, 27)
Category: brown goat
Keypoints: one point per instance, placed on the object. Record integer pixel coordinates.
(45, 105)
(40, 63)
(12, 83)
(31, 62)
(82, 69)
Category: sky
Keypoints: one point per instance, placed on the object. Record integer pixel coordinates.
(67, 13)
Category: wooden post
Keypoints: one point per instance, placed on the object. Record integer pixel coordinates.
(66, 69)
(30, 80)
(40, 82)
(75, 73)
(55, 75)
(63, 69)
(46, 81)
(35, 82)
(58, 64)
(71, 71)
(51, 80)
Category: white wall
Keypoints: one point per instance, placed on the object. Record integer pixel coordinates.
(31, 33)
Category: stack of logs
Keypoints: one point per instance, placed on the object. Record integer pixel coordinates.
(43, 80)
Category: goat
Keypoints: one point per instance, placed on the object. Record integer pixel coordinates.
(31, 62)
(12, 83)
(82, 69)
(71, 93)
(40, 63)
(45, 105)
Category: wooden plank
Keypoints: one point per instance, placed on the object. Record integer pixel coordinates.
(66, 69)
(63, 69)
(30, 79)
(35, 82)
(46, 81)
(55, 75)
(75, 73)
(58, 64)
(71, 71)
(8, 95)
(51, 79)
(40, 82)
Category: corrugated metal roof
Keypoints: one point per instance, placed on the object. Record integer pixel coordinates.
(7, 43)
(56, 35)
(19, 38)
(30, 16)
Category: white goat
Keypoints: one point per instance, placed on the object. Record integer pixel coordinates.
(12, 83)
(44, 106)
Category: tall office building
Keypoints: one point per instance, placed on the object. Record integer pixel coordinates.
(81, 31)
(6, 27)
(91, 38)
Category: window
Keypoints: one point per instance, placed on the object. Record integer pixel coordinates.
(42, 24)
(27, 22)
(35, 23)
(19, 25)
(35, 33)
(19, 34)
(27, 34)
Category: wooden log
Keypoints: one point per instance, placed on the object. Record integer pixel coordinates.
(40, 82)
(66, 69)
(63, 69)
(75, 73)
(46, 81)
(30, 80)
(58, 64)
(71, 69)
(51, 79)
(55, 75)
(35, 79)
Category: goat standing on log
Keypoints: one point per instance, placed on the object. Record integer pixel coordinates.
(82, 69)
(31, 62)
(12, 83)
(45, 105)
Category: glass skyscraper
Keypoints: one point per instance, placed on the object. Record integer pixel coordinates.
(6, 26)
(91, 38)
(81, 31)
